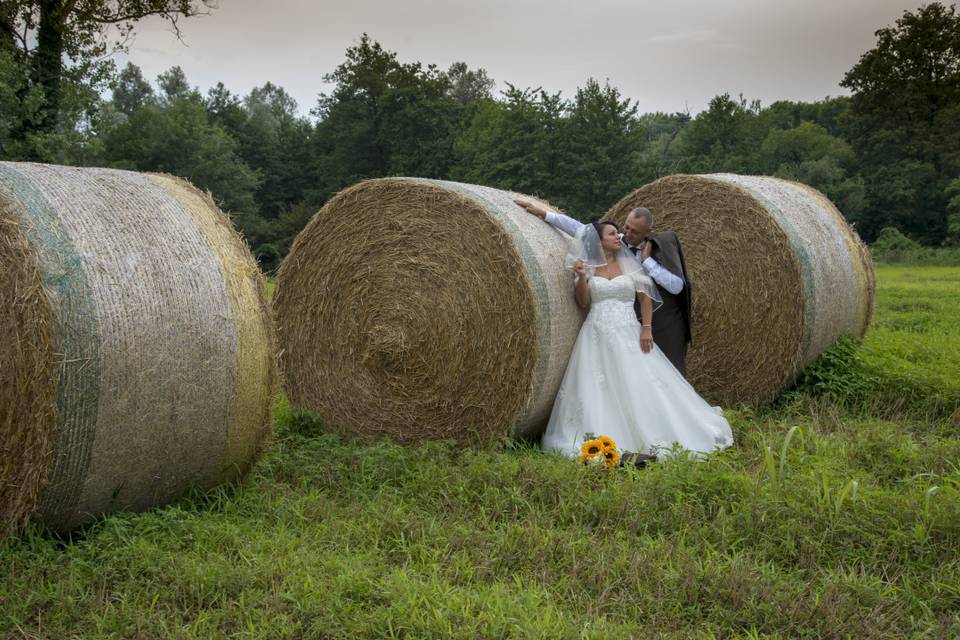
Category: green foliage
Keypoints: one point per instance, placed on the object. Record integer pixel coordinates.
(386, 117)
(892, 243)
(131, 91)
(953, 213)
(176, 136)
(804, 143)
(512, 144)
(906, 101)
(597, 146)
(26, 134)
(840, 372)
(722, 138)
(906, 365)
(808, 153)
(62, 48)
(894, 247)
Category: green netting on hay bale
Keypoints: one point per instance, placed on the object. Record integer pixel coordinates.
(419, 310)
(777, 276)
(140, 339)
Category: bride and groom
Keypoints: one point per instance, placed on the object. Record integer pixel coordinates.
(625, 378)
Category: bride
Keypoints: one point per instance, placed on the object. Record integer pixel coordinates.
(618, 383)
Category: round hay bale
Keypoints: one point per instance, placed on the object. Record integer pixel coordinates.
(140, 339)
(418, 310)
(777, 276)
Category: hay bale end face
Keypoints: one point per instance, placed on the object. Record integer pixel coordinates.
(777, 276)
(140, 339)
(418, 310)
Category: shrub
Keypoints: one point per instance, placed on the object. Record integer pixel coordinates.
(840, 372)
(892, 246)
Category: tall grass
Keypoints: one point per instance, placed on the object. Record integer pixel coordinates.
(836, 515)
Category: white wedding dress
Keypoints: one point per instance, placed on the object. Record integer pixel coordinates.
(612, 388)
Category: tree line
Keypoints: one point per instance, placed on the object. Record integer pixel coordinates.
(888, 155)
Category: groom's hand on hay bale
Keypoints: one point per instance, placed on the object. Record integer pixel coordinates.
(532, 208)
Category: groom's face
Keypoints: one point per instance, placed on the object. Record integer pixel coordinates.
(635, 230)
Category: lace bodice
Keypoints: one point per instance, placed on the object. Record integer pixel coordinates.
(611, 301)
(621, 288)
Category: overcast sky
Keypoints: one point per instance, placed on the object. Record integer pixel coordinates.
(668, 56)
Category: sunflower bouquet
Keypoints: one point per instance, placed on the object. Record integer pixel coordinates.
(600, 451)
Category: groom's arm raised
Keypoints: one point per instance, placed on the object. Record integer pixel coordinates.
(565, 223)
(663, 277)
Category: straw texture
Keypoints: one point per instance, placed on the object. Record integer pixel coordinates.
(28, 381)
(161, 337)
(418, 309)
(777, 276)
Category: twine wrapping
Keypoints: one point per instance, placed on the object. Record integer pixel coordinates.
(140, 338)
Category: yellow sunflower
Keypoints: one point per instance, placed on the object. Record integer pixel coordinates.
(591, 448)
(607, 443)
(613, 458)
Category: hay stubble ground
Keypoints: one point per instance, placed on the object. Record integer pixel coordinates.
(851, 530)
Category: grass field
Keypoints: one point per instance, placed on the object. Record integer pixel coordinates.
(847, 526)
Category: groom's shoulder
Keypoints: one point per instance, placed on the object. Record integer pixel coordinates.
(669, 236)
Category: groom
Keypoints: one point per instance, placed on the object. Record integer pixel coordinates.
(662, 258)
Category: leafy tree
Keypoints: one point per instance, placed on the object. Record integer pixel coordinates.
(418, 119)
(173, 84)
(599, 142)
(177, 136)
(809, 154)
(63, 44)
(512, 144)
(467, 85)
(276, 142)
(953, 213)
(131, 90)
(225, 108)
(722, 138)
(808, 141)
(902, 120)
(829, 113)
(384, 117)
(660, 154)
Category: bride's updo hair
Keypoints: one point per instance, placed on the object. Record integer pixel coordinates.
(598, 226)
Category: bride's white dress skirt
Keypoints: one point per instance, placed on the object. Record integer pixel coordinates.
(612, 388)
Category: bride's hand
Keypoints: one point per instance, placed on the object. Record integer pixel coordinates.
(646, 339)
(580, 268)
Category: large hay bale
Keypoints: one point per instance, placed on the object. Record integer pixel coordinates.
(136, 344)
(777, 276)
(419, 309)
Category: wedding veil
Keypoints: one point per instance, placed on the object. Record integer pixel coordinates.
(586, 246)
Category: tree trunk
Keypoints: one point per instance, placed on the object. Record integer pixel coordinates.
(48, 61)
(8, 12)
